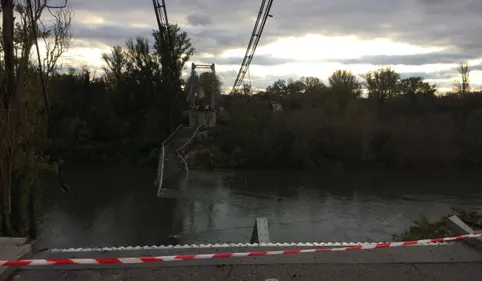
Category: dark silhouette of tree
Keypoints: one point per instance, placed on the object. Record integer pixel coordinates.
(279, 88)
(344, 81)
(382, 83)
(173, 62)
(463, 87)
(208, 85)
(416, 86)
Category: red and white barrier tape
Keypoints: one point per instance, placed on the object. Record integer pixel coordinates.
(134, 260)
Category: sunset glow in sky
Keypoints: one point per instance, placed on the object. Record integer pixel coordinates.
(303, 38)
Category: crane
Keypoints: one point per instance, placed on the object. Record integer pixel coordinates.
(253, 42)
(167, 43)
(163, 24)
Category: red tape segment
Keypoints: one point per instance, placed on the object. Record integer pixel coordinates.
(135, 260)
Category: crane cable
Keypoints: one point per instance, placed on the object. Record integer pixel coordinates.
(250, 84)
(62, 183)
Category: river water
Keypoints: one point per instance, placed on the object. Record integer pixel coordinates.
(117, 206)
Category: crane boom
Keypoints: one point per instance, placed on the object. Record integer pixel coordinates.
(163, 25)
(253, 42)
(170, 70)
(167, 43)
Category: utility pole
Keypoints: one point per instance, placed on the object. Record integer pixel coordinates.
(8, 99)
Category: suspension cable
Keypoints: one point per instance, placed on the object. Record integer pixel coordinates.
(33, 22)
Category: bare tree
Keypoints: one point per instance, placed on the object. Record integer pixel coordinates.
(115, 66)
(7, 122)
(54, 28)
(463, 87)
(57, 36)
(344, 80)
(346, 85)
(18, 129)
(382, 83)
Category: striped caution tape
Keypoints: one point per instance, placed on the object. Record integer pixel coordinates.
(135, 260)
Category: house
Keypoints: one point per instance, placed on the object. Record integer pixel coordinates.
(277, 107)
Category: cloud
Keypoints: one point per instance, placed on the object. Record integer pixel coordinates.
(109, 34)
(216, 26)
(441, 75)
(265, 60)
(417, 59)
(417, 21)
(476, 67)
(198, 19)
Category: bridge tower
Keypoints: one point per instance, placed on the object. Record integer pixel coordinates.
(202, 113)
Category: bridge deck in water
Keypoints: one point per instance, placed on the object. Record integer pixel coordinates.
(172, 164)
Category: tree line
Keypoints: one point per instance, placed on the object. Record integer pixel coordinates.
(398, 122)
(125, 113)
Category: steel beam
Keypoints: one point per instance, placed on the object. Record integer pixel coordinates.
(460, 228)
(260, 231)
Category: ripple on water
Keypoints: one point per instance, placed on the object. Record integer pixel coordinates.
(116, 208)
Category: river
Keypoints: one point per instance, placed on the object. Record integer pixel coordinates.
(117, 206)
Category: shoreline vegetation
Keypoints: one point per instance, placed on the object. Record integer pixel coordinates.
(422, 228)
(315, 125)
(318, 128)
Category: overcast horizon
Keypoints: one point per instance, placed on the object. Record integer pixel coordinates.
(427, 38)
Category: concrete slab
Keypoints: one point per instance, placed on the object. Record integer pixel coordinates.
(460, 228)
(443, 262)
(455, 253)
(272, 272)
(12, 248)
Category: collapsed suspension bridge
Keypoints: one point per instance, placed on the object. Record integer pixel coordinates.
(202, 115)
(410, 260)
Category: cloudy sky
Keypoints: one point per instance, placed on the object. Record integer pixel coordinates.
(303, 38)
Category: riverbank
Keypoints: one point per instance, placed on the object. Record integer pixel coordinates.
(327, 128)
(403, 132)
(13, 248)
(212, 156)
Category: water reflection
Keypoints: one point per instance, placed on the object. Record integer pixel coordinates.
(116, 206)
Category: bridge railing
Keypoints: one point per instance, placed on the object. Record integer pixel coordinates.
(180, 152)
(161, 161)
(186, 146)
(189, 143)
